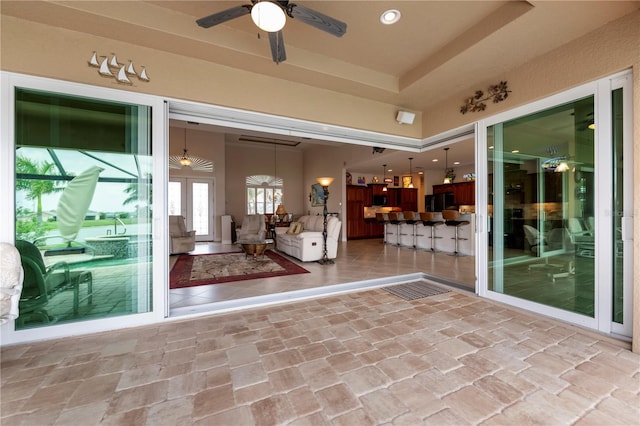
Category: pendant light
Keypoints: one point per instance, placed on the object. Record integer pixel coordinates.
(185, 160)
(410, 175)
(384, 177)
(280, 212)
(447, 179)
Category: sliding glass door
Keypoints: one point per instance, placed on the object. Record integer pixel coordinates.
(541, 171)
(83, 207)
(86, 214)
(557, 241)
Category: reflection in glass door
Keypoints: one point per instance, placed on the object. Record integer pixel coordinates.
(541, 172)
(622, 252)
(193, 199)
(83, 207)
(559, 196)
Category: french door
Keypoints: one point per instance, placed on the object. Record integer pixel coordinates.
(557, 192)
(193, 199)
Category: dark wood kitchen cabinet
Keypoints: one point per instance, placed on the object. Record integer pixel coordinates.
(464, 193)
(408, 199)
(357, 198)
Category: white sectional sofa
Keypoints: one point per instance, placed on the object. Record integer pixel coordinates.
(307, 245)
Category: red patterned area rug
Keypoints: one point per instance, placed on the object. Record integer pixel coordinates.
(204, 269)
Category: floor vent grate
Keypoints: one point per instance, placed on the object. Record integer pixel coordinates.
(415, 290)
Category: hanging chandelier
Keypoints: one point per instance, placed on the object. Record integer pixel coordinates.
(185, 160)
(448, 173)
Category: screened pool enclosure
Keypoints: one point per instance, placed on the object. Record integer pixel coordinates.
(83, 207)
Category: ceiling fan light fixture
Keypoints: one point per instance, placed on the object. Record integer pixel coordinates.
(268, 16)
(390, 16)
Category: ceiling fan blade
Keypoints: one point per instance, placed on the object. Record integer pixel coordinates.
(317, 19)
(224, 16)
(276, 40)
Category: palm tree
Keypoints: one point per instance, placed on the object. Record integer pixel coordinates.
(139, 193)
(35, 188)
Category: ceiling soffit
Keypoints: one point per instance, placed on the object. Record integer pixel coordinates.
(338, 64)
(437, 50)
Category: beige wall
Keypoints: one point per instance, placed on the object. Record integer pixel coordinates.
(243, 160)
(42, 50)
(320, 161)
(610, 49)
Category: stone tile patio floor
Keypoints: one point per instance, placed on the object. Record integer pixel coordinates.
(365, 358)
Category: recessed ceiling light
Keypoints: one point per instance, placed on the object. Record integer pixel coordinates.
(435, 160)
(420, 173)
(456, 163)
(515, 151)
(491, 147)
(390, 16)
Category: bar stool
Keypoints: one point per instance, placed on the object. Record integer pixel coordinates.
(452, 218)
(396, 218)
(383, 219)
(429, 219)
(410, 218)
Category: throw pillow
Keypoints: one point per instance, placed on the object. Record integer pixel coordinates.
(292, 228)
(299, 228)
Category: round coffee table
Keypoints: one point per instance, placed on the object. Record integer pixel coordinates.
(255, 248)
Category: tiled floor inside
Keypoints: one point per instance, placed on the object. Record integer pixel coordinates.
(358, 260)
(362, 358)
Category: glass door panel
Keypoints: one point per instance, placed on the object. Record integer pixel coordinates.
(200, 202)
(193, 199)
(621, 223)
(83, 207)
(618, 208)
(541, 207)
(175, 198)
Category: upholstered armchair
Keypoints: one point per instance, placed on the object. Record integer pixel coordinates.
(180, 240)
(10, 282)
(254, 227)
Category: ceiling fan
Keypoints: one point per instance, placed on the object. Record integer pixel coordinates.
(270, 16)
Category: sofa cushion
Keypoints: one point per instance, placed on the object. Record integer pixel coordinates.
(295, 228)
(308, 244)
(313, 223)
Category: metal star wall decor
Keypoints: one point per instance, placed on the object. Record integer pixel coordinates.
(498, 93)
